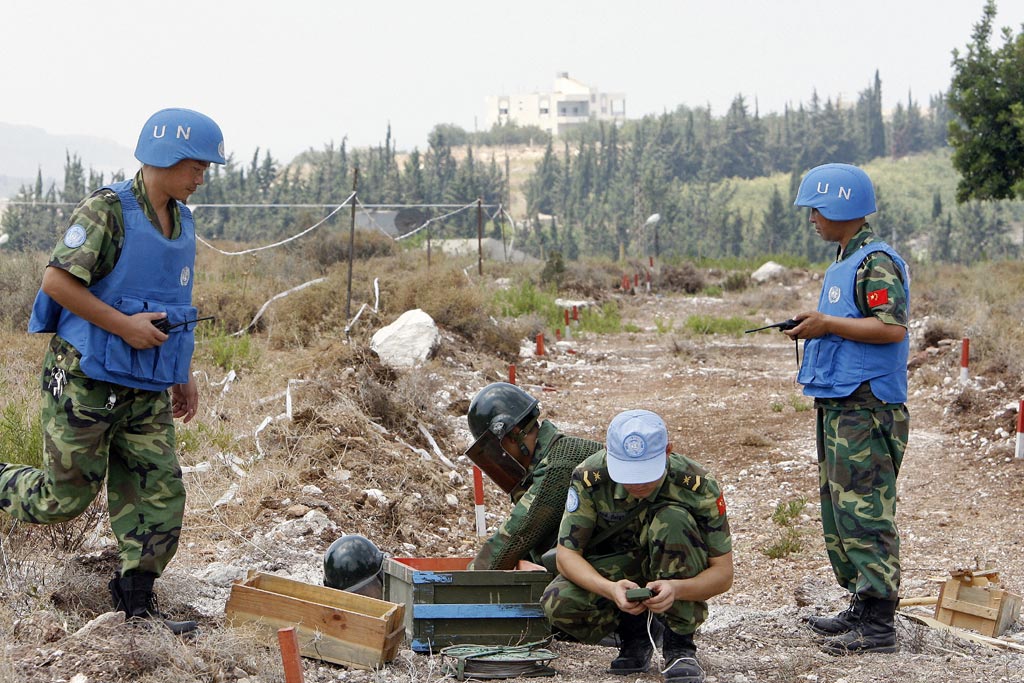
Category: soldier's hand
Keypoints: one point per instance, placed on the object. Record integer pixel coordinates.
(140, 333)
(624, 603)
(663, 597)
(185, 400)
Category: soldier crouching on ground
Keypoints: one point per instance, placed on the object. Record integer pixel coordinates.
(532, 461)
(638, 514)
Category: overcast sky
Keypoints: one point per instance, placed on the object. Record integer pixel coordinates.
(287, 76)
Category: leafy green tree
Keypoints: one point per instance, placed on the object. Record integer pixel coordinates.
(908, 129)
(987, 96)
(869, 123)
(776, 225)
(739, 150)
(542, 188)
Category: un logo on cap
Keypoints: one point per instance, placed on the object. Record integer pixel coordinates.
(634, 446)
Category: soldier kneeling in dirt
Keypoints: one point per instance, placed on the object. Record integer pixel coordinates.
(532, 461)
(638, 514)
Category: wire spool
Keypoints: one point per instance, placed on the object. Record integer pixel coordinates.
(497, 661)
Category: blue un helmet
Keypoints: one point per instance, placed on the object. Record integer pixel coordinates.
(171, 135)
(840, 192)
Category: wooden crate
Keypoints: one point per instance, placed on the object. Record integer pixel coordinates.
(331, 625)
(447, 604)
(975, 601)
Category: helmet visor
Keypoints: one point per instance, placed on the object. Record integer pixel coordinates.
(504, 470)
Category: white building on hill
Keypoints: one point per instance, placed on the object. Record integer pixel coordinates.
(569, 103)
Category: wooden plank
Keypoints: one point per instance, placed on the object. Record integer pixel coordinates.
(926, 600)
(971, 608)
(321, 595)
(1009, 609)
(333, 632)
(965, 635)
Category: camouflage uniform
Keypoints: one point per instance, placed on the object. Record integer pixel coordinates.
(683, 524)
(860, 443)
(532, 527)
(94, 429)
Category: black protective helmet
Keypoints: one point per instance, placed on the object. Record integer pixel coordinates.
(353, 563)
(499, 407)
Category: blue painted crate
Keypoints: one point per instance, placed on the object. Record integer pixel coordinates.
(447, 604)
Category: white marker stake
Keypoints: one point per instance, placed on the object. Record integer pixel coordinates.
(478, 490)
(1020, 430)
(965, 354)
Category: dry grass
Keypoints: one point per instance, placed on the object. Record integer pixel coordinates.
(341, 389)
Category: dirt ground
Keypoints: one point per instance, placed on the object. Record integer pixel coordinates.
(731, 402)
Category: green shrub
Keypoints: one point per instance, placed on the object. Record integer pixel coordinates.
(21, 435)
(20, 275)
(787, 544)
(799, 403)
(606, 319)
(527, 298)
(789, 540)
(736, 282)
(709, 324)
(226, 351)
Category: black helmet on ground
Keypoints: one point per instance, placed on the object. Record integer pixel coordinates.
(354, 564)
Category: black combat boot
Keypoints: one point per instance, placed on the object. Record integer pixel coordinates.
(635, 650)
(875, 632)
(133, 595)
(840, 623)
(680, 655)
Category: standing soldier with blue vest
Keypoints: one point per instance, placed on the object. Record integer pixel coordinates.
(117, 294)
(855, 367)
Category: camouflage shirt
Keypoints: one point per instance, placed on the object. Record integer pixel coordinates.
(100, 215)
(878, 271)
(595, 503)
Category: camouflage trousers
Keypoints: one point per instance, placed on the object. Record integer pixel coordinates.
(670, 547)
(94, 430)
(859, 456)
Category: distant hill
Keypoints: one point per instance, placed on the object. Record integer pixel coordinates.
(25, 150)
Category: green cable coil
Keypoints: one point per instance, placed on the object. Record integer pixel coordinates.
(497, 661)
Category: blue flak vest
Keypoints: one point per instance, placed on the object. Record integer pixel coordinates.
(833, 367)
(153, 273)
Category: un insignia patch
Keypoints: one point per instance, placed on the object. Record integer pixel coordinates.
(184, 276)
(572, 503)
(834, 292)
(635, 446)
(74, 237)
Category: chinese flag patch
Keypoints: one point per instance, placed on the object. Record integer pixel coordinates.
(721, 503)
(878, 297)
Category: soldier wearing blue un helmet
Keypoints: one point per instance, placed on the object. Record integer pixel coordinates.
(855, 367)
(172, 135)
(116, 296)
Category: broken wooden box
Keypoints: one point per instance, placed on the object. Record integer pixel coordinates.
(331, 625)
(974, 600)
(448, 604)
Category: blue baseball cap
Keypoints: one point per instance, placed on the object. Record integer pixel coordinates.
(637, 446)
